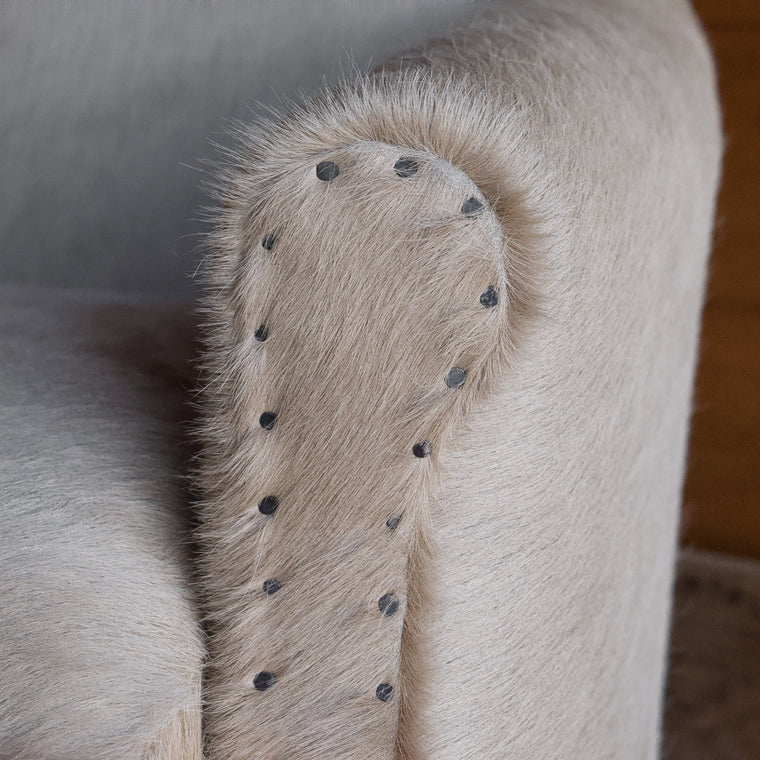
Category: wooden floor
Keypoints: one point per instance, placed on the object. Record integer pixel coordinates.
(722, 499)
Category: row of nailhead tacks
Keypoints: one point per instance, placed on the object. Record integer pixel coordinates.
(388, 604)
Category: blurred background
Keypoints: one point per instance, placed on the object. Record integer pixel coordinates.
(108, 114)
(722, 498)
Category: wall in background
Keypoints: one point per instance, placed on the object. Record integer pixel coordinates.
(722, 498)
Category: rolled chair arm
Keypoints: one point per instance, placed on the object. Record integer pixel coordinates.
(451, 328)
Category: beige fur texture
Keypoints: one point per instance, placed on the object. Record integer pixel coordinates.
(370, 294)
(534, 555)
(100, 643)
(530, 569)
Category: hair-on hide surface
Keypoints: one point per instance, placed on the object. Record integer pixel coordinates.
(534, 555)
(100, 644)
